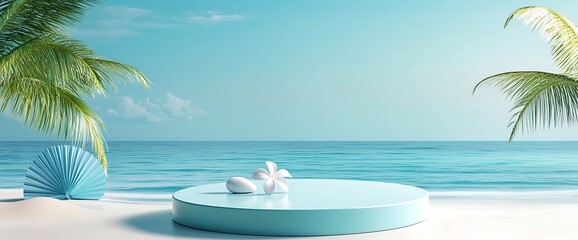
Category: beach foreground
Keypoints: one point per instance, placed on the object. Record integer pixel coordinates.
(44, 218)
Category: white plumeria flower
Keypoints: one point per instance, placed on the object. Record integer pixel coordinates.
(272, 177)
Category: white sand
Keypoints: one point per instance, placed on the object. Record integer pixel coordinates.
(44, 218)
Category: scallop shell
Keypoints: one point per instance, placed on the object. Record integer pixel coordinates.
(65, 172)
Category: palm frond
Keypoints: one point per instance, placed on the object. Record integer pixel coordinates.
(58, 62)
(541, 99)
(72, 69)
(21, 20)
(4, 4)
(108, 72)
(44, 74)
(53, 109)
(68, 64)
(560, 33)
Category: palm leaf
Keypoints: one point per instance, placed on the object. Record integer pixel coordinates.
(44, 74)
(21, 20)
(108, 72)
(52, 109)
(69, 67)
(541, 99)
(58, 62)
(68, 64)
(559, 31)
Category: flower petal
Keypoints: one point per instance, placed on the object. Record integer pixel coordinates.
(261, 174)
(269, 186)
(272, 168)
(283, 173)
(283, 184)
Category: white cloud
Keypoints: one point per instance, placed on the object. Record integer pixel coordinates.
(131, 18)
(119, 21)
(126, 12)
(98, 32)
(211, 17)
(180, 108)
(159, 110)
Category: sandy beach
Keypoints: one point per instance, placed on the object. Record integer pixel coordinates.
(45, 218)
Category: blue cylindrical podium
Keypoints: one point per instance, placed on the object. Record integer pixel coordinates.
(312, 207)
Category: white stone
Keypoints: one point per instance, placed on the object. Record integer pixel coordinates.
(240, 185)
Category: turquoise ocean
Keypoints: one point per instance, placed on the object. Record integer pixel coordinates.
(140, 169)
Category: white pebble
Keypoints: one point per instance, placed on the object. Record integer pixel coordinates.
(240, 185)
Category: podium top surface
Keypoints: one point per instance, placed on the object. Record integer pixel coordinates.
(306, 194)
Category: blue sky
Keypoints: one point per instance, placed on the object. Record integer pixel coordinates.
(311, 70)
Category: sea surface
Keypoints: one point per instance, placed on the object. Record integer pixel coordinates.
(443, 168)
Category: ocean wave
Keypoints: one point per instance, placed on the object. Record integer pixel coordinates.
(166, 167)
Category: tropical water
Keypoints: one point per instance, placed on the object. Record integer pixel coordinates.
(161, 168)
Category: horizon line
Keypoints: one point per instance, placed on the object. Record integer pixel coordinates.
(301, 141)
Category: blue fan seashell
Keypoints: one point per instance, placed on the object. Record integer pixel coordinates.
(65, 172)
